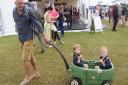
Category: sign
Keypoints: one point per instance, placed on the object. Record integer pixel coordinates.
(98, 24)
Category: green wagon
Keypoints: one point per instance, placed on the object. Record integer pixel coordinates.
(91, 76)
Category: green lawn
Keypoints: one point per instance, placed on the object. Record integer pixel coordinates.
(52, 68)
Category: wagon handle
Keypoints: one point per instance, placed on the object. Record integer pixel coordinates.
(62, 56)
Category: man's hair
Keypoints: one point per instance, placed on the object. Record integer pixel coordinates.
(18, 0)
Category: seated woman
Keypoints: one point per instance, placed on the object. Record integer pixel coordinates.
(77, 56)
(105, 62)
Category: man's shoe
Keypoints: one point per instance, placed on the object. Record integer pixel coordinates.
(25, 81)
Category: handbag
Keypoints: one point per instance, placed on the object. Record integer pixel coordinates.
(53, 27)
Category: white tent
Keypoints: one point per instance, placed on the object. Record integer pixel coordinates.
(103, 2)
(7, 26)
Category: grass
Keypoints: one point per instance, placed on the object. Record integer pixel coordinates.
(51, 66)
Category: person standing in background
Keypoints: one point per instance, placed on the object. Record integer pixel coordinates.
(115, 15)
(54, 17)
(123, 13)
(68, 19)
(61, 21)
(48, 23)
(110, 13)
(126, 13)
(100, 13)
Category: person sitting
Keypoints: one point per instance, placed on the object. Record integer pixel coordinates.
(77, 56)
(105, 62)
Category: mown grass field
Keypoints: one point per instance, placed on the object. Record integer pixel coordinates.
(51, 66)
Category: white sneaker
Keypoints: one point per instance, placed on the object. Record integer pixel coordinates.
(50, 46)
(61, 42)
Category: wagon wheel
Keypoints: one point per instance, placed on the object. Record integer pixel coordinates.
(106, 83)
(75, 81)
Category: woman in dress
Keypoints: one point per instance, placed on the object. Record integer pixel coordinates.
(47, 22)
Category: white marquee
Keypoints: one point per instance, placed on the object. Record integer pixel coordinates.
(7, 24)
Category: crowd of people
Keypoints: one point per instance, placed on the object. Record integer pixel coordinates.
(115, 13)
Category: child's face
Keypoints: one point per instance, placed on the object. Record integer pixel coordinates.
(77, 51)
(104, 52)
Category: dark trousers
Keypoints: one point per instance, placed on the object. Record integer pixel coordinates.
(109, 18)
(115, 23)
(55, 23)
(61, 27)
(69, 24)
(52, 34)
(56, 36)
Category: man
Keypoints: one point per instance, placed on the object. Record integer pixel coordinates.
(115, 15)
(68, 19)
(26, 22)
(123, 13)
(110, 13)
(126, 18)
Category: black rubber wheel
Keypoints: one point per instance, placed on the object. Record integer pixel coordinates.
(106, 83)
(75, 81)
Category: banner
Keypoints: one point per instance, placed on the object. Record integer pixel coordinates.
(98, 24)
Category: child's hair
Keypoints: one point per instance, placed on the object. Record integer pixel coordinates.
(76, 46)
(104, 49)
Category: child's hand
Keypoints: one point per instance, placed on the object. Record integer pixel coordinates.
(80, 56)
(101, 61)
